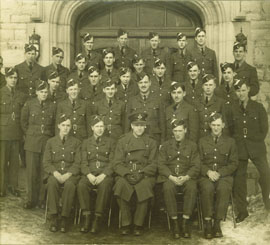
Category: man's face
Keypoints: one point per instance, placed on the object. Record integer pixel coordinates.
(194, 72)
(179, 132)
(42, 94)
(217, 126)
(94, 77)
(109, 59)
(73, 91)
(12, 80)
(125, 78)
(154, 42)
(110, 91)
(228, 75)
(88, 45)
(200, 38)
(30, 56)
(122, 40)
(64, 127)
(144, 84)
(182, 43)
(239, 54)
(98, 129)
(139, 66)
(58, 58)
(178, 95)
(160, 70)
(242, 93)
(81, 64)
(138, 129)
(209, 87)
(54, 83)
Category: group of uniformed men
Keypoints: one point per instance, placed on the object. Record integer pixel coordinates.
(122, 122)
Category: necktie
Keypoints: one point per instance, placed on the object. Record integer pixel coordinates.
(125, 87)
(160, 81)
(109, 73)
(242, 106)
(58, 68)
(193, 84)
(216, 139)
(144, 97)
(80, 74)
(122, 51)
(42, 104)
(206, 100)
(30, 66)
(202, 50)
(12, 92)
(236, 66)
(154, 52)
(73, 103)
(89, 55)
(94, 88)
(227, 88)
(182, 53)
(53, 96)
(63, 140)
(110, 103)
(178, 144)
(175, 106)
(97, 140)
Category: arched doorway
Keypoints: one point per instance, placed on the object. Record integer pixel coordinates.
(104, 19)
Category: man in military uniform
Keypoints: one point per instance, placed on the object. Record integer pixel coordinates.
(77, 109)
(2, 76)
(180, 59)
(218, 164)
(12, 102)
(209, 103)
(123, 53)
(147, 102)
(113, 111)
(204, 56)
(193, 84)
(62, 167)
(37, 121)
(250, 127)
(135, 167)
(138, 67)
(96, 166)
(179, 166)
(28, 72)
(80, 75)
(93, 58)
(154, 51)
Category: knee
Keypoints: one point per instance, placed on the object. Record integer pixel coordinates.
(168, 186)
(191, 187)
(207, 187)
(52, 182)
(69, 185)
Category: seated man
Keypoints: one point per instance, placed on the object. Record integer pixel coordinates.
(218, 163)
(179, 166)
(135, 167)
(97, 154)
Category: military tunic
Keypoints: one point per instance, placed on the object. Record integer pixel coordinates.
(193, 95)
(10, 136)
(124, 58)
(114, 75)
(97, 156)
(82, 81)
(249, 129)
(221, 157)
(64, 158)
(179, 161)
(124, 94)
(57, 96)
(2, 80)
(94, 59)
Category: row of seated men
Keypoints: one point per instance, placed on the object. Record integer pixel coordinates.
(37, 121)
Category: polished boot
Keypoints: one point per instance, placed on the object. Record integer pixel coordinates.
(28, 205)
(96, 225)
(208, 229)
(217, 232)
(125, 230)
(63, 224)
(137, 230)
(241, 216)
(14, 192)
(86, 223)
(176, 232)
(186, 228)
(53, 223)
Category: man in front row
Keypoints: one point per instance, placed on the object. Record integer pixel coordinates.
(218, 163)
(179, 166)
(135, 167)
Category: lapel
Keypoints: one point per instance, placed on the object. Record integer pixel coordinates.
(221, 140)
(135, 144)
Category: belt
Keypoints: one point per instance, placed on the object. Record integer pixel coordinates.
(245, 131)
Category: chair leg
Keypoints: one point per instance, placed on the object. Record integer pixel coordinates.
(120, 218)
(168, 220)
(46, 210)
(233, 213)
(200, 214)
(150, 218)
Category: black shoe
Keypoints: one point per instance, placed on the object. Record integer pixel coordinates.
(217, 232)
(176, 232)
(186, 228)
(137, 230)
(63, 224)
(86, 224)
(14, 192)
(2, 194)
(208, 229)
(28, 205)
(53, 225)
(125, 230)
(241, 216)
(95, 225)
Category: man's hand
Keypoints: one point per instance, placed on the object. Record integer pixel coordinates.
(131, 179)
(183, 179)
(66, 176)
(213, 175)
(92, 179)
(58, 176)
(100, 178)
(174, 179)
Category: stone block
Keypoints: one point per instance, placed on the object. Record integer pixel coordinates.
(20, 18)
(20, 35)
(6, 35)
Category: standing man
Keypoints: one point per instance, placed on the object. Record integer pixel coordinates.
(179, 167)
(123, 53)
(28, 72)
(135, 167)
(12, 102)
(109, 71)
(138, 67)
(180, 59)
(93, 58)
(218, 164)
(250, 127)
(2, 76)
(37, 121)
(56, 66)
(204, 56)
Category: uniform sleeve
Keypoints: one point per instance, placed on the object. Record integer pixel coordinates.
(88, 119)
(253, 82)
(194, 170)
(75, 168)
(84, 162)
(232, 161)
(25, 117)
(49, 168)
(128, 111)
(215, 66)
(163, 168)
(109, 169)
(162, 122)
(151, 168)
(193, 125)
(123, 116)
(226, 120)
(204, 168)
(263, 121)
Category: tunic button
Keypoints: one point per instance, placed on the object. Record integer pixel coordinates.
(178, 159)
(97, 147)
(42, 118)
(193, 97)
(63, 148)
(63, 155)
(245, 136)
(205, 130)
(178, 152)
(244, 114)
(228, 95)
(130, 161)
(74, 118)
(215, 149)
(205, 115)
(244, 122)
(110, 110)
(205, 108)
(215, 157)
(42, 111)
(74, 111)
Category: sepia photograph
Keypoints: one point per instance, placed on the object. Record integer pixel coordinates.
(135, 122)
